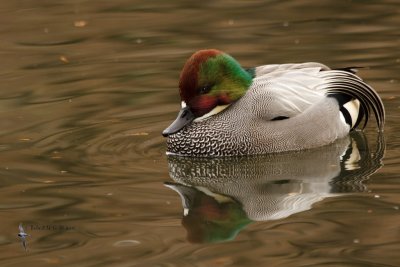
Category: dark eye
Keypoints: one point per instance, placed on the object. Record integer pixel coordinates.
(205, 89)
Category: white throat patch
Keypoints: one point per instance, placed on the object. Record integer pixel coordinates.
(214, 111)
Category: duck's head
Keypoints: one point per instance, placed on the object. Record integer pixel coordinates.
(209, 82)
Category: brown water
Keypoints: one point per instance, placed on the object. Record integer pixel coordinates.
(86, 89)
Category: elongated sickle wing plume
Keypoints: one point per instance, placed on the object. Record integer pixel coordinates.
(346, 83)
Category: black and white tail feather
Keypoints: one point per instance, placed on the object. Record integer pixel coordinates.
(356, 98)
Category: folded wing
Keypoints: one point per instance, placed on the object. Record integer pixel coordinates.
(284, 91)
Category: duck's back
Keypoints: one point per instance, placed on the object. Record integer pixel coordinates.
(285, 92)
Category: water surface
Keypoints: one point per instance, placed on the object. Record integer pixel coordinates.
(87, 88)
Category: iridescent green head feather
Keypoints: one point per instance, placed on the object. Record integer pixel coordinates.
(211, 78)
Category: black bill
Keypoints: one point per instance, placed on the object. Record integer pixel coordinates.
(185, 116)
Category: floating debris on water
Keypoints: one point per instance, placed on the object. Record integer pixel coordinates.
(64, 59)
(138, 134)
(126, 243)
(80, 23)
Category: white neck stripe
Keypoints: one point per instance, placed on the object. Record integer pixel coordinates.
(214, 111)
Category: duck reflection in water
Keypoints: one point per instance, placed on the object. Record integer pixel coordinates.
(220, 196)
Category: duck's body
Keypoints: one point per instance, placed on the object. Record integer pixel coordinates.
(271, 108)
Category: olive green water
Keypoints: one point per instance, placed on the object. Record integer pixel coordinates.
(88, 86)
